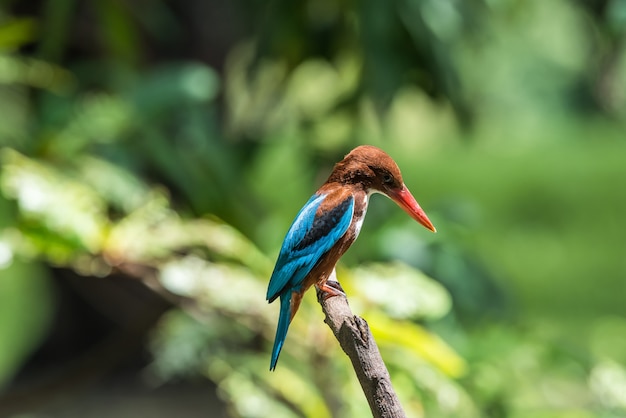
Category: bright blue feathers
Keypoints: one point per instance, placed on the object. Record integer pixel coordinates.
(309, 238)
(281, 330)
(282, 270)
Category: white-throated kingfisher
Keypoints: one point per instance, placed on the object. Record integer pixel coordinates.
(326, 227)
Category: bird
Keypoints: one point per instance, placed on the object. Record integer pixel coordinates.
(327, 225)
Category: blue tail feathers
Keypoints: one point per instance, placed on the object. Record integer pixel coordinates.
(283, 325)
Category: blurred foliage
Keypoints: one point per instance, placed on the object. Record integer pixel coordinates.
(138, 139)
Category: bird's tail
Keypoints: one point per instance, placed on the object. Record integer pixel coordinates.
(283, 325)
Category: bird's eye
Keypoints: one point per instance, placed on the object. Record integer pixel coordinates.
(387, 178)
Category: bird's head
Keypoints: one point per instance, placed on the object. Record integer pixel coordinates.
(371, 168)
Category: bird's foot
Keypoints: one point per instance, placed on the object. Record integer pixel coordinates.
(329, 289)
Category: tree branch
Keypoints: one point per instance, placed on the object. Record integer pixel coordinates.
(357, 342)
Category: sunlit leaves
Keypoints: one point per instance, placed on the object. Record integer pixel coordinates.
(61, 204)
(417, 341)
(120, 188)
(608, 382)
(212, 284)
(6, 254)
(402, 292)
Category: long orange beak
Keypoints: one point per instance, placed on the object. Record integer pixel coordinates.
(407, 202)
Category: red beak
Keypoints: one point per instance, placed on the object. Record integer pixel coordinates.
(407, 202)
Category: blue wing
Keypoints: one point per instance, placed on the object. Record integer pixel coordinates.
(308, 239)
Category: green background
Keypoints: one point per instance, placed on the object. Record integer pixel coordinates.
(153, 154)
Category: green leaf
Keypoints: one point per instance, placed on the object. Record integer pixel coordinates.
(26, 310)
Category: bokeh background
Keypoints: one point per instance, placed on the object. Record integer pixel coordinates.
(153, 153)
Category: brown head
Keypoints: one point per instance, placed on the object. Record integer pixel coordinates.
(376, 172)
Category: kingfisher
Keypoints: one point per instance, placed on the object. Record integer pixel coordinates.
(327, 225)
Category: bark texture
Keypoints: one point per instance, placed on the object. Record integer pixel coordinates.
(357, 342)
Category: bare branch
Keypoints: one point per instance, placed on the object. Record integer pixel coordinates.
(357, 342)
